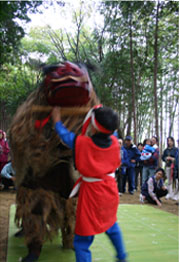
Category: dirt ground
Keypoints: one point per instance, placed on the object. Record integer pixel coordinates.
(7, 198)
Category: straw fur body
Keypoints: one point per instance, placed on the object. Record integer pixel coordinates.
(45, 173)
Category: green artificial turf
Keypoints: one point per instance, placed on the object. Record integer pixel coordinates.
(150, 235)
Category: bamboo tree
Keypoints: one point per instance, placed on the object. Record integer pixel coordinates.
(133, 80)
(156, 69)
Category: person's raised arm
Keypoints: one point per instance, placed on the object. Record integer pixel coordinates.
(66, 136)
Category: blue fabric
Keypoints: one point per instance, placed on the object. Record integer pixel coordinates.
(82, 244)
(115, 235)
(66, 136)
(147, 172)
(170, 152)
(130, 173)
(30, 258)
(7, 171)
(132, 153)
(156, 185)
(149, 148)
(159, 192)
(152, 162)
(124, 160)
(177, 160)
(147, 152)
(145, 156)
(173, 152)
(124, 157)
(115, 134)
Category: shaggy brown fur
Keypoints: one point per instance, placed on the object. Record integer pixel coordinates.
(44, 173)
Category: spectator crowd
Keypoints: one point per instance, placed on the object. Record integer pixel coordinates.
(140, 170)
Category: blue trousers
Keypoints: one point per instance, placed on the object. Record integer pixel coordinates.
(82, 244)
(130, 174)
(147, 172)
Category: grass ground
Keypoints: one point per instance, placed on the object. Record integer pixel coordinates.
(151, 235)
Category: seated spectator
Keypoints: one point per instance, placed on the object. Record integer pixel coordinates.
(153, 188)
(8, 176)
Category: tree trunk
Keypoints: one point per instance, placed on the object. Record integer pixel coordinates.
(133, 83)
(129, 120)
(161, 125)
(155, 71)
(172, 117)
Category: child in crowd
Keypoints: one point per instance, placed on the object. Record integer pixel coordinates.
(96, 158)
(148, 150)
(153, 188)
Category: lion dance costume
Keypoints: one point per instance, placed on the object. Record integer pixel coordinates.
(45, 174)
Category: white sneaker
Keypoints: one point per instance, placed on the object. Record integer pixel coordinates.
(141, 199)
(175, 197)
(167, 196)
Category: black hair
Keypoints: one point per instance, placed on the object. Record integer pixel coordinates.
(172, 138)
(145, 140)
(139, 144)
(107, 118)
(157, 140)
(160, 169)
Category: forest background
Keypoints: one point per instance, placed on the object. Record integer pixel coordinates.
(131, 49)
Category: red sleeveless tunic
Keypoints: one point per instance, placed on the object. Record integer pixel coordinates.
(98, 201)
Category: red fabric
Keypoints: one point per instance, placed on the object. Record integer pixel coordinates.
(70, 92)
(101, 128)
(98, 201)
(85, 126)
(88, 119)
(172, 171)
(4, 149)
(39, 124)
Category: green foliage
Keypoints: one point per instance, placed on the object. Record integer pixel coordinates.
(119, 16)
(10, 30)
(16, 83)
(106, 50)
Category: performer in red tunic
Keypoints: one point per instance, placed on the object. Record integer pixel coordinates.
(96, 158)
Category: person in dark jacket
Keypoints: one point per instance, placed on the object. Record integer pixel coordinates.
(153, 188)
(133, 155)
(170, 157)
(121, 171)
(138, 168)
